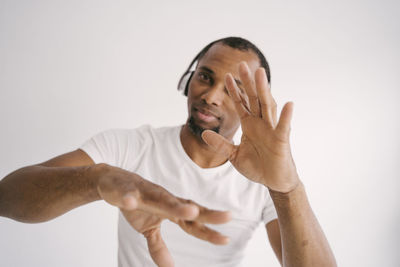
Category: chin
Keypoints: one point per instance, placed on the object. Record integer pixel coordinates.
(197, 130)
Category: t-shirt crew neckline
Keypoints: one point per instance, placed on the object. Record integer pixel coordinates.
(182, 151)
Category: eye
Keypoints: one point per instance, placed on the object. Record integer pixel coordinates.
(205, 77)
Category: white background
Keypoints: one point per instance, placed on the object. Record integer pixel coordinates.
(69, 69)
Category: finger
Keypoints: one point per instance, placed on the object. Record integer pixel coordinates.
(203, 232)
(267, 102)
(283, 127)
(274, 113)
(157, 248)
(219, 143)
(239, 102)
(250, 88)
(208, 215)
(157, 200)
(273, 108)
(213, 216)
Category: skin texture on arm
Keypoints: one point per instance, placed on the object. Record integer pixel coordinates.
(304, 241)
(42, 192)
(274, 237)
(264, 156)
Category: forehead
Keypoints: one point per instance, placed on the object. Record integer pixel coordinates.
(223, 58)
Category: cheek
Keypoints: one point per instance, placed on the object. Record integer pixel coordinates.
(194, 88)
(192, 95)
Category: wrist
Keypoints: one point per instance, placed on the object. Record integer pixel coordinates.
(97, 171)
(285, 185)
(292, 193)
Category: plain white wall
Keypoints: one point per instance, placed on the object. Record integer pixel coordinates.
(69, 69)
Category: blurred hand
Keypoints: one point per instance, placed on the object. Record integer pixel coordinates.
(264, 154)
(145, 205)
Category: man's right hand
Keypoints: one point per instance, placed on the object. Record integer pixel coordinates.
(145, 204)
(44, 191)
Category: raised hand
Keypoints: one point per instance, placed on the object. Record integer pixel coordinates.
(145, 205)
(264, 154)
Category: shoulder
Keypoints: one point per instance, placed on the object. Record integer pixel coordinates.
(139, 139)
(150, 133)
(142, 132)
(121, 147)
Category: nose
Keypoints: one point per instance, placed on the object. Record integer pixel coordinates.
(214, 95)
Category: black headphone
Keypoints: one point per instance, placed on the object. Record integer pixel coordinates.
(234, 42)
(185, 79)
(184, 82)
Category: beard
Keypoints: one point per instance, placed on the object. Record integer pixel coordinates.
(197, 130)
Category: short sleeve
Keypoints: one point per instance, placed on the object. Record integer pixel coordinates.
(269, 212)
(107, 147)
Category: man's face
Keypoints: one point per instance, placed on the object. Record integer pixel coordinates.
(209, 105)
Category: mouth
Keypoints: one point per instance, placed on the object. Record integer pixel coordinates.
(205, 115)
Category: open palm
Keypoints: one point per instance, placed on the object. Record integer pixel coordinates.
(145, 205)
(264, 154)
(149, 224)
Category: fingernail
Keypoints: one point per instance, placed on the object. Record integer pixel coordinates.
(229, 215)
(224, 240)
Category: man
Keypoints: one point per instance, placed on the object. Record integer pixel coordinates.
(151, 173)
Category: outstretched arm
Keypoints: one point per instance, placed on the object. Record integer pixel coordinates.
(264, 156)
(42, 192)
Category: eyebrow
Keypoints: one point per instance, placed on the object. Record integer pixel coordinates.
(204, 68)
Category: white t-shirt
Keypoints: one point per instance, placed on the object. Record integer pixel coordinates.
(158, 156)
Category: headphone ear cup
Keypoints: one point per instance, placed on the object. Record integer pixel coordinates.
(185, 92)
(184, 81)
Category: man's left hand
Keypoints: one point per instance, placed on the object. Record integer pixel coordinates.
(264, 154)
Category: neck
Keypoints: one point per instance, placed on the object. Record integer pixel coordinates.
(199, 151)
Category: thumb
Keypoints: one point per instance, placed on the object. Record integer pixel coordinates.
(219, 143)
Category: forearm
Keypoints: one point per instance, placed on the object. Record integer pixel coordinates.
(303, 241)
(37, 193)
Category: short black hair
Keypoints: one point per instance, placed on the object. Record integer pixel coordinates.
(234, 42)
